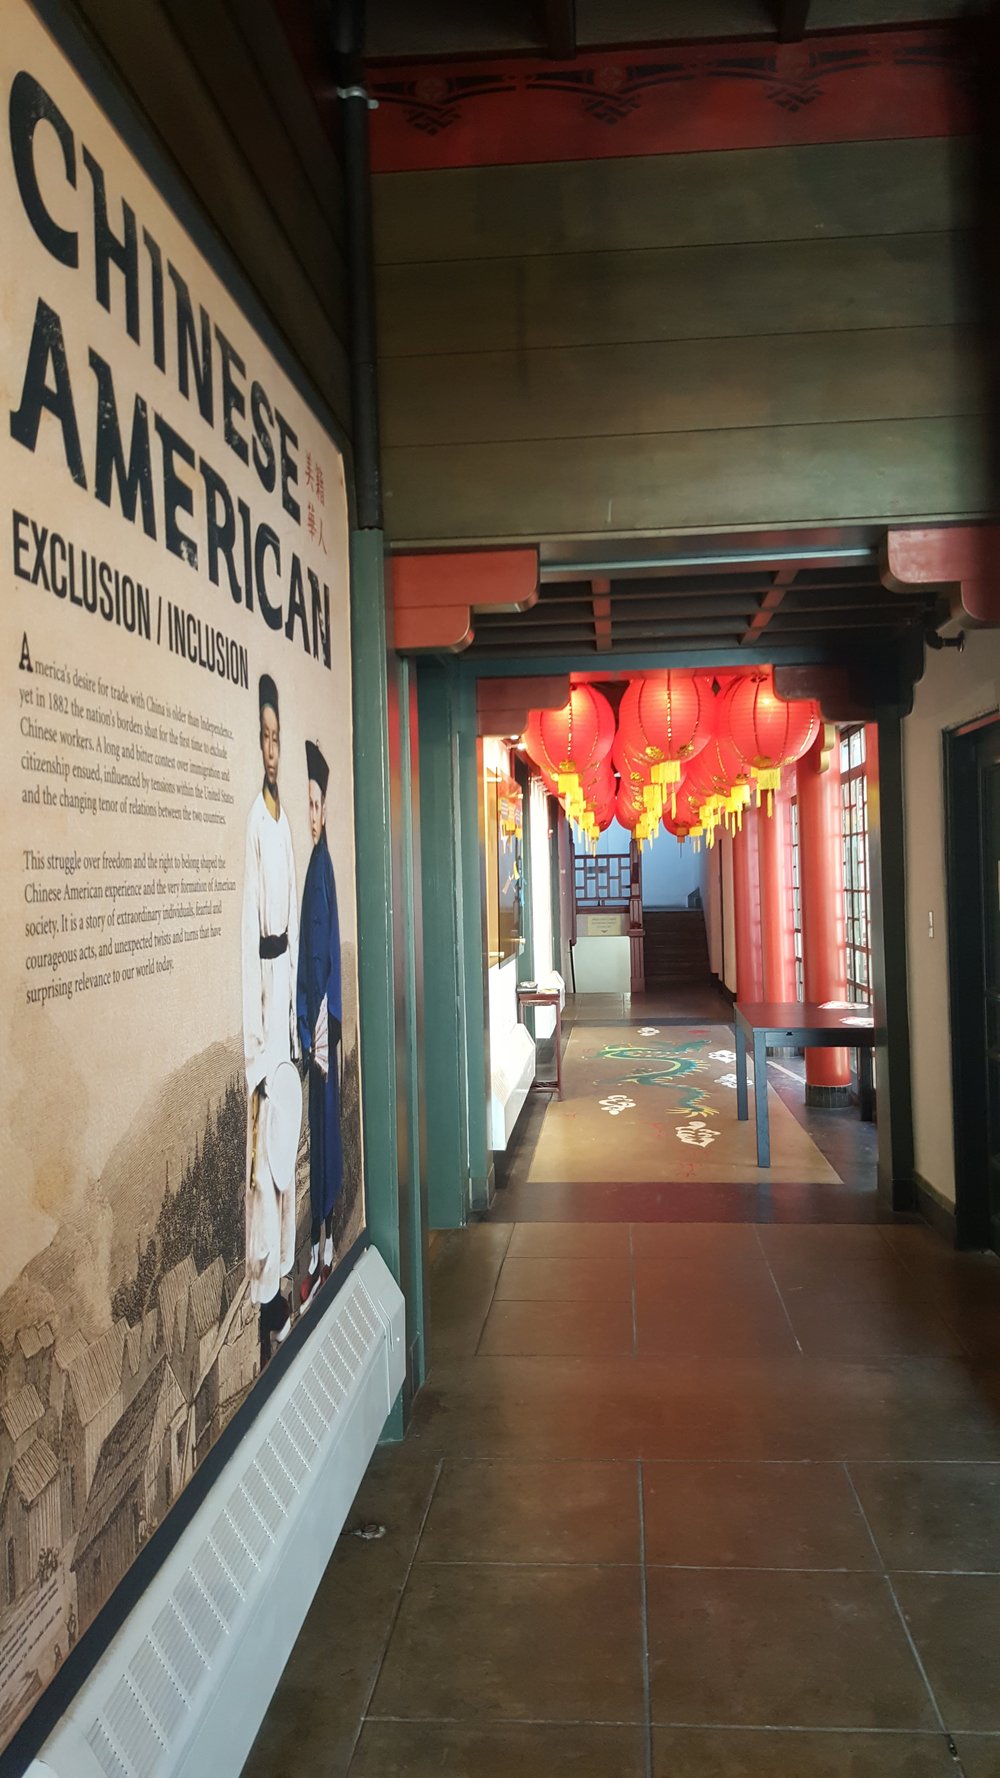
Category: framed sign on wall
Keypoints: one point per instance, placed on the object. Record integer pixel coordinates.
(179, 1068)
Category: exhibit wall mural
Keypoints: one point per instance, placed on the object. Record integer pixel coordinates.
(179, 1065)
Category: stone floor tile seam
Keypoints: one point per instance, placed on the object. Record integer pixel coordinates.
(647, 1663)
(950, 1323)
(796, 1728)
(942, 1362)
(635, 1298)
(508, 1461)
(394, 1614)
(820, 1570)
(742, 1462)
(946, 1574)
(901, 1615)
(493, 1293)
(941, 1462)
(777, 1287)
(529, 1722)
(559, 1562)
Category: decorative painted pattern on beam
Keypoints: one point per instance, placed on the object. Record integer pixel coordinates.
(435, 594)
(681, 99)
(966, 557)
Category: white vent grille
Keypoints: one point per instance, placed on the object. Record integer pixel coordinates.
(141, 1710)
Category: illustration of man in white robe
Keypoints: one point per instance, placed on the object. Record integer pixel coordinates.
(270, 964)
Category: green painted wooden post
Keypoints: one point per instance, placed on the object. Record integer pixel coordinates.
(889, 968)
(444, 1069)
(375, 899)
(410, 1048)
(473, 1000)
(526, 969)
(557, 946)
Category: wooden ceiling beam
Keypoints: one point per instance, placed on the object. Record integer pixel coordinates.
(747, 587)
(768, 605)
(600, 598)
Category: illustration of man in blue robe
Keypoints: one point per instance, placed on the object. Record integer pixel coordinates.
(320, 1013)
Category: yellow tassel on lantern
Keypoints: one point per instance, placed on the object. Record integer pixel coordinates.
(767, 778)
(666, 771)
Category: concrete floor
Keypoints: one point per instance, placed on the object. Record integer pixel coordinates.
(696, 1489)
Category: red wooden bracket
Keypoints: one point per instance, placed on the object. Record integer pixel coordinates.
(435, 594)
(965, 557)
(502, 705)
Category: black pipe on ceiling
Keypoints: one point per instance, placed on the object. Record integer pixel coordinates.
(345, 33)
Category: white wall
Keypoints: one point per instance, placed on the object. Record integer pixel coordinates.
(614, 839)
(954, 690)
(603, 966)
(670, 872)
(540, 898)
(501, 979)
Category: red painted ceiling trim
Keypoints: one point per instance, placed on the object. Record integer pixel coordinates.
(845, 87)
(502, 705)
(963, 556)
(434, 594)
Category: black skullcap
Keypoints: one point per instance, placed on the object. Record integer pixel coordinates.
(268, 693)
(316, 766)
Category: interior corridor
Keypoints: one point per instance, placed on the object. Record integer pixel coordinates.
(704, 1484)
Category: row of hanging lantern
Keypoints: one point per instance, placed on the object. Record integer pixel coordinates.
(680, 753)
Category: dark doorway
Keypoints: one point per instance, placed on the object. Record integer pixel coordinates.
(972, 777)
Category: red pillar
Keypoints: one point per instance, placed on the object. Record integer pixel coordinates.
(777, 938)
(746, 912)
(821, 873)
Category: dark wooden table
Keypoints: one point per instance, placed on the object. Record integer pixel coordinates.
(545, 997)
(797, 1025)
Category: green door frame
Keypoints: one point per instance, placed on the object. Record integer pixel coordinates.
(461, 1171)
(387, 972)
(887, 867)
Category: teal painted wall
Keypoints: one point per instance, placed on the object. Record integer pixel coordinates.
(408, 959)
(474, 995)
(444, 1060)
(386, 957)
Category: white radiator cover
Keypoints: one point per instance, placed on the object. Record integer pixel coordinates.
(182, 1689)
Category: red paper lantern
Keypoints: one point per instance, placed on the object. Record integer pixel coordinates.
(665, 720)
(767, 732)
(722, 776)
(687, 823)
(566, 743)
(626, 761)
(630, 809)
(546, 778)
(682, 829)
(601, 791)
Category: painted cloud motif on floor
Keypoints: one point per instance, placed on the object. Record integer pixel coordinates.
(696, 1133)
(616, 1103)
